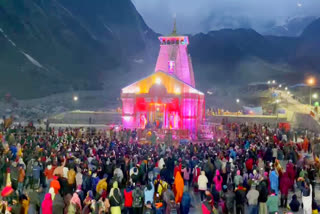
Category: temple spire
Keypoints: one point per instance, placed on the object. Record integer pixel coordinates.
(174, 32)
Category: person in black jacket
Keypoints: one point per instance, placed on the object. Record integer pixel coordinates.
(240, 199)
(294, 204)
(263, 196)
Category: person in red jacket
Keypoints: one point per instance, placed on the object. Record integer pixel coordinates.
(128, 200)
(249, 165)
(285, 184)
(291, 173)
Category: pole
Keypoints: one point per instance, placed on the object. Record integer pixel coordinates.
(310, 95)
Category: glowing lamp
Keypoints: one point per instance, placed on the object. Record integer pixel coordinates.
(126, 118)
(75, 98)
(311, 81)
(158, 81)
(177, 91)
(315, 96)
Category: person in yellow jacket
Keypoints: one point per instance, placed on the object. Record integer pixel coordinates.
(102, 185)
(25, 201)
(160, 185)
(72, 179)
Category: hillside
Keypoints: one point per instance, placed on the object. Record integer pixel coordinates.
(53, 46)
(240, 56)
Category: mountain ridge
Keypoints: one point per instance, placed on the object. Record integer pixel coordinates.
(56, 46)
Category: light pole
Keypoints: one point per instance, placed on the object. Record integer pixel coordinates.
(277, 111)
(75, 99)
(310, 82)
(238, 101)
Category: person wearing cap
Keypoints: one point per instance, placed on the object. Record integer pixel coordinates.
(253, 196)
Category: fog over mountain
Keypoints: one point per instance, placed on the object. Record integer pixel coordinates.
(206, 15)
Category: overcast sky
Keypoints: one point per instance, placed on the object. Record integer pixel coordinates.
(194, 16)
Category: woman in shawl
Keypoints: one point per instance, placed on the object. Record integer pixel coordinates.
(75, 203)
(67, 199)
(115, 199)
(218, 181)
(178, 187)
(47, 204)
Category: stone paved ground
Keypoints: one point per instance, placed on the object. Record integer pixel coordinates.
(196, 202)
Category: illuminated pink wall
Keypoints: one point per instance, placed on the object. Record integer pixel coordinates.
(189, 110)
(128, 113)
(179, 54)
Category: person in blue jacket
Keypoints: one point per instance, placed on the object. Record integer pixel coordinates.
(149, 193)
(274, 181)
(185, 202)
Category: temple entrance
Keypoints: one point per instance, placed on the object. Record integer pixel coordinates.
(156, 114)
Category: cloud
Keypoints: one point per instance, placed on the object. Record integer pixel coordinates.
(203, 15)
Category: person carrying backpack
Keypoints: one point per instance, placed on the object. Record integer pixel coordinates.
(115, 199)
(137, 195)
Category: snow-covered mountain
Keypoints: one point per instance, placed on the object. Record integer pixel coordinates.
(292, 27)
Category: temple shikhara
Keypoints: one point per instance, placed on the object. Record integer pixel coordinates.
(167, 98)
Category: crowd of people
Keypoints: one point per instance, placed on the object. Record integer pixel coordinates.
(250, 169)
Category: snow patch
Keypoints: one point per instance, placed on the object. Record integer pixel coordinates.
(32, 60)
(138, 61)
(12, 43)
(9, 40)
(108, 28)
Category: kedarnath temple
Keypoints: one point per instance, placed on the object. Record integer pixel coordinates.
(167, 98)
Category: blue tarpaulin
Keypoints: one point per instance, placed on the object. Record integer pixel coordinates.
(252, 110)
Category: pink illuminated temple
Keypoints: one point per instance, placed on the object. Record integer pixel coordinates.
(167, 98)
